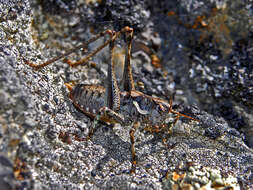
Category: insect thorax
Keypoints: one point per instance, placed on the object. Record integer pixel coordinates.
(136, 106)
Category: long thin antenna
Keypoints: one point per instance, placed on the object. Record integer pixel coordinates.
(83, 45)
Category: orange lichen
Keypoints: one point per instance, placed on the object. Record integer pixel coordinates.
(171, 13)
(19, 169)
(155, 61)
(213, 24)
(14, 142)
(176, 176)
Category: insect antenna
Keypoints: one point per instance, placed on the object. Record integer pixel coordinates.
(83, 45)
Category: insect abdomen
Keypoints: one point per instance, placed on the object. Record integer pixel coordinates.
(88, 98)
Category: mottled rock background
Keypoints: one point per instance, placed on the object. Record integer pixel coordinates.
(205, 49)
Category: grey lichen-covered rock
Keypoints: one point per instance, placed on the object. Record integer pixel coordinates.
(196, 177)
(43, 137)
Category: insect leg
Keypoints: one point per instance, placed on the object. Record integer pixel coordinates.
(113, 37)
(94, 124)
(131, 133)
(86, 58)
(183, 115)
(109, 114)
(179, 114)
(112, 89)
(128, 82)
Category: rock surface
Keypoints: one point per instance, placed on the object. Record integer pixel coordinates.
(42, 135)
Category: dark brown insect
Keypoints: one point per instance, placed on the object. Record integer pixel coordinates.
(110, 105)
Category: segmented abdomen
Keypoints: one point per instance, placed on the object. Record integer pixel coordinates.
(88, 98)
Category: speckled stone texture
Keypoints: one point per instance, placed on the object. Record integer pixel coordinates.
(43, 137)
